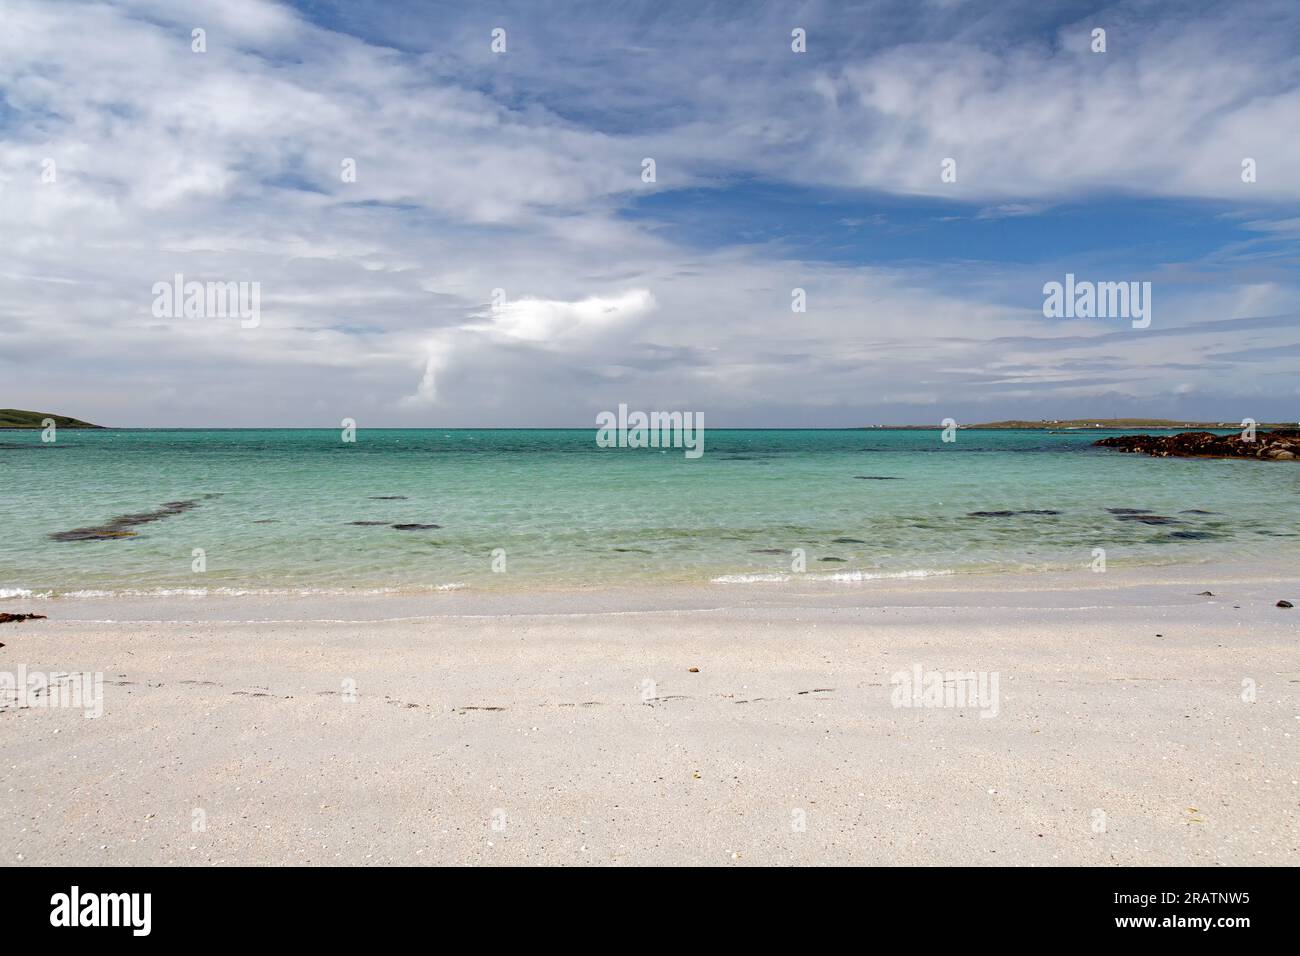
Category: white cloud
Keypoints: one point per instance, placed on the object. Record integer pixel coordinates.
(552, 322)
(476, 173)
(426, 392)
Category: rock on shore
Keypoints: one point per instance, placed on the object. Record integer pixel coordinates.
(1281, 444)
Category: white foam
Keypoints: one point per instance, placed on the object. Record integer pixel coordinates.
(852, 576)
(14, 593)
(249, 592)
(846, 577)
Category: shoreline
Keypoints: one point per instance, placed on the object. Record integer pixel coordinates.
(936, 589)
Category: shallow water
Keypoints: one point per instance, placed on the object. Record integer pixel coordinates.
(298, 510)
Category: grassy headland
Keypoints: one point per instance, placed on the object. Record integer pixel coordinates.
(21, 418)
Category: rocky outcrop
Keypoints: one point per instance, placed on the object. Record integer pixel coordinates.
(1280, 444)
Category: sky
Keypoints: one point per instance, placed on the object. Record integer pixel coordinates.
(502, 258)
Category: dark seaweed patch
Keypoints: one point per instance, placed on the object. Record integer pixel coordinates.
(119, 527)
(1008, 514)
(12, 618)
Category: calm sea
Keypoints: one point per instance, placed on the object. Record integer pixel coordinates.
(277, 509)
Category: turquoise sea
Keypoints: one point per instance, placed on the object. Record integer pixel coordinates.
(273, 510)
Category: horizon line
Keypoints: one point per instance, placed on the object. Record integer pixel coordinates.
(987, 426)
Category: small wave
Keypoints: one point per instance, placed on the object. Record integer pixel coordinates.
(839, 576)
(872, 576)
(247, 592)
(14, 593)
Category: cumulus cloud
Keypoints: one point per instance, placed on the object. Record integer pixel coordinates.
(426, 392)
(576, 328)
(553, 322)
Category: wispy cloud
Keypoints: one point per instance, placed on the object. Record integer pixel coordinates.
(128, 157)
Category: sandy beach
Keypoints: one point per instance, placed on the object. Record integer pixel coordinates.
(1136, 722)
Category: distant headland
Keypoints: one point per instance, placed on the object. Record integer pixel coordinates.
(21, 418)
(1078, 424)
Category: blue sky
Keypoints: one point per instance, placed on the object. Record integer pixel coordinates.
(520, 171)
(864, 227)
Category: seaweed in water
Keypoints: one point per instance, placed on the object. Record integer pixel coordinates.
(119, 527)
(1147, 518)
(1008, 514)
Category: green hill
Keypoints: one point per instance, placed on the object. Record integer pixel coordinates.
(20, 418)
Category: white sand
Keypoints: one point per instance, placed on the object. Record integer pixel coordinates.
(529, 709)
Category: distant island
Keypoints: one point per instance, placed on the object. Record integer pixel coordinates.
(1158, 423)
(1073, 424)
(21, 418)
